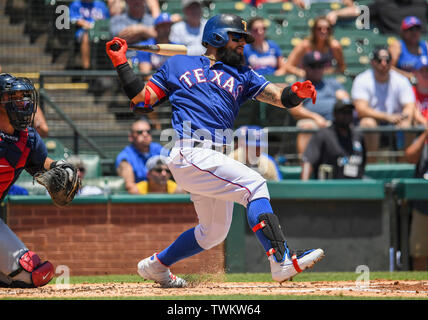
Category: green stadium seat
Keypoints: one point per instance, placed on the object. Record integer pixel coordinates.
(172, 7)
(385, 172)
(297, 23)
(239, 8)
(277, 11)
(92, 164)
(100, 31)
(56, 149)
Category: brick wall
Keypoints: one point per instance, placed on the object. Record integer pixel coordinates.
(108, 238)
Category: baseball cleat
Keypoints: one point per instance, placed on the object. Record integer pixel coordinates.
(294, 263)
(152, 269)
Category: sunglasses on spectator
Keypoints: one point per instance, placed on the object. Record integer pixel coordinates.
(236, 37)
(320, 28)
(414, 28)
(159, 170)
(316, 66)
(81, 169)
(379, 60)
(140, 132)
(255, 29)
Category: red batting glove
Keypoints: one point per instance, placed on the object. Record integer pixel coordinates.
(305, 90)
(117, 57)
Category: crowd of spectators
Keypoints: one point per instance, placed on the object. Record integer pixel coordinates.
(393, 91)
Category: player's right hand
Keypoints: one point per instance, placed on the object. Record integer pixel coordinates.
(117, 57)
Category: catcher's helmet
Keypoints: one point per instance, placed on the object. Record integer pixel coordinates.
(5, 80)
(217, 27)
(20, 99)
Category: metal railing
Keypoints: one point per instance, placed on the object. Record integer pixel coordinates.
(77, 133)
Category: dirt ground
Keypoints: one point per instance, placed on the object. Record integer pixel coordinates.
(374, 288)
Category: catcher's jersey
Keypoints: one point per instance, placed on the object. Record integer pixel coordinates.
(22, 150)
(206, 98)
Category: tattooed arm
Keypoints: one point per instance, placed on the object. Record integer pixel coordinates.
(272, 95)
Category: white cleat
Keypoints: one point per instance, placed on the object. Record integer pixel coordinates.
(294, 263)
(152, 269)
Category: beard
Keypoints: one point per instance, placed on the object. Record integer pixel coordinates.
(230, 57)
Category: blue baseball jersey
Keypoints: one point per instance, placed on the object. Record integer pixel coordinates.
(89, 11)
(22, 150)
(205, 100)
(263, 62)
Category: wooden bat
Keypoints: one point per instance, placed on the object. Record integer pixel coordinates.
(164, 49)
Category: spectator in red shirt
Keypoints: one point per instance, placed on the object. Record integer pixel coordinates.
(421, 92)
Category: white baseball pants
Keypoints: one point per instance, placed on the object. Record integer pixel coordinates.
(215, 181)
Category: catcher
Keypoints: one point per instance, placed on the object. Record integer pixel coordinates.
(21, 148)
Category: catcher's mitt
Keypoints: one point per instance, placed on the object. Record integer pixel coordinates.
(61, 181)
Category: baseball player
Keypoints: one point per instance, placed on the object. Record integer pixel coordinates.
(22, 148)
(206, 93)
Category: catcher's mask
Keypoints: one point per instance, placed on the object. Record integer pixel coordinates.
(217, 28)
(20, 99)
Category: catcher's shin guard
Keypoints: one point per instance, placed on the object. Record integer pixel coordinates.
(20, 267)
(269, 224)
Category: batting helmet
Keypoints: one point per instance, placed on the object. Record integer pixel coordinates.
(217, 27)
(20, 98)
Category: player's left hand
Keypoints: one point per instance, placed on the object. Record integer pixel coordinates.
(61, 181)
(305, 90)
(118, 57)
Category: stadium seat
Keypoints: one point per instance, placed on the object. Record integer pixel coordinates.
(92, 164)
(277, 11)
(385, 172)
(239, 8)
(98, 36)
(56, 149)
(100, 31)
(172, 7)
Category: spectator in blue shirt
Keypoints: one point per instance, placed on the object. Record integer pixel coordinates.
(133, 25)
(84, 13)
(131, 161)
(263, 55)
(328, 91)
(146, 61)
(16, 190)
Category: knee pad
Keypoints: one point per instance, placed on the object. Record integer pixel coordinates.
(39, 273)
(269, 224)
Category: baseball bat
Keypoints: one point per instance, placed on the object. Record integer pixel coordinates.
(164, 49)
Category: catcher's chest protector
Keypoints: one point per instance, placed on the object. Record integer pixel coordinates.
(13, 157)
